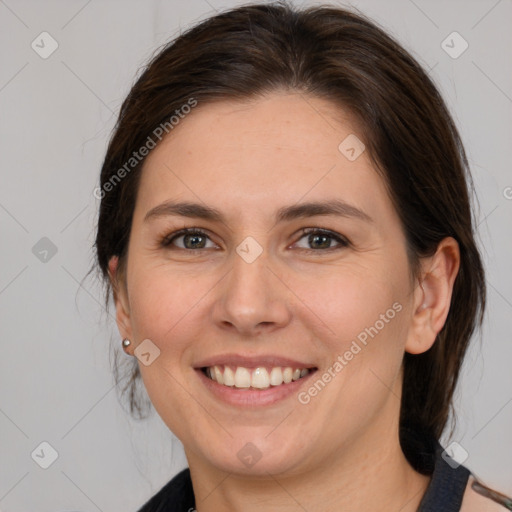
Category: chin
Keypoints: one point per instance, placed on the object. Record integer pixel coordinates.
(254, 452)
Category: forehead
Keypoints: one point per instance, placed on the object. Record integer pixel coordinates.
(280, 148)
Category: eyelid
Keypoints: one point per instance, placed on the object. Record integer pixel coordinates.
(340, 239)
(168, 239)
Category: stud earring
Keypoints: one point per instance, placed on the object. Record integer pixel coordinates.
(126, 343)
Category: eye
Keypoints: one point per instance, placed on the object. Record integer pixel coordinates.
(321, 239)
(196, 239)
(193, 238)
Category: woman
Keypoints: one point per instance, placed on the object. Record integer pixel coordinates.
(286, 227)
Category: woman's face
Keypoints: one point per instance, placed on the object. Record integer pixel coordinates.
(254, 296)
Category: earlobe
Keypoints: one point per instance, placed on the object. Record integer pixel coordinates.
(120, 298)
(433, 295)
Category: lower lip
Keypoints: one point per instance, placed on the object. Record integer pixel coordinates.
(253, 397)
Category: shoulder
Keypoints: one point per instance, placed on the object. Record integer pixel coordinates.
(476, 502)
(452, 486)
(176, 496)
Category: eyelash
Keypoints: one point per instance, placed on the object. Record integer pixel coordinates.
(342, 241)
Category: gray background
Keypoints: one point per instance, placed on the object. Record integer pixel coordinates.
(55, 118)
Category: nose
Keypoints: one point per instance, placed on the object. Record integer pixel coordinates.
(251, 299)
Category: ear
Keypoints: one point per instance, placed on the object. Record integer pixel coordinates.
(120, 298)
(432, 296)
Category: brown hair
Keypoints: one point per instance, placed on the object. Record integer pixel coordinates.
(337, 55)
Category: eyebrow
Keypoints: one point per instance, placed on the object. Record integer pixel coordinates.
(286, 213)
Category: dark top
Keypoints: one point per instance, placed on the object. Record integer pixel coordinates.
(444, 493)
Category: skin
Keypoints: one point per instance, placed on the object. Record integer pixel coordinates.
(248, 160)
(475, 502)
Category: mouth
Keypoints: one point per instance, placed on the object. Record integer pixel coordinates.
(250, 381)
(258, 378)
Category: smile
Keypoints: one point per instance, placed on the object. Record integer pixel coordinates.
(254, 378)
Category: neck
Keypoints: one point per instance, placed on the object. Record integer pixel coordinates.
(371, 474)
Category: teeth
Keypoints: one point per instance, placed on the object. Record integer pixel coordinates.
(218, 375)
(276, 376)
(259, 378)
(229, 377)
(242, 378)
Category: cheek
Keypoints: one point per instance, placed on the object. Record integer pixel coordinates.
(353, 300)
(163, 308)
(161, 304)
(362, 313)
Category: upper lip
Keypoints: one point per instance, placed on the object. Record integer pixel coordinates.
(268, 360)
